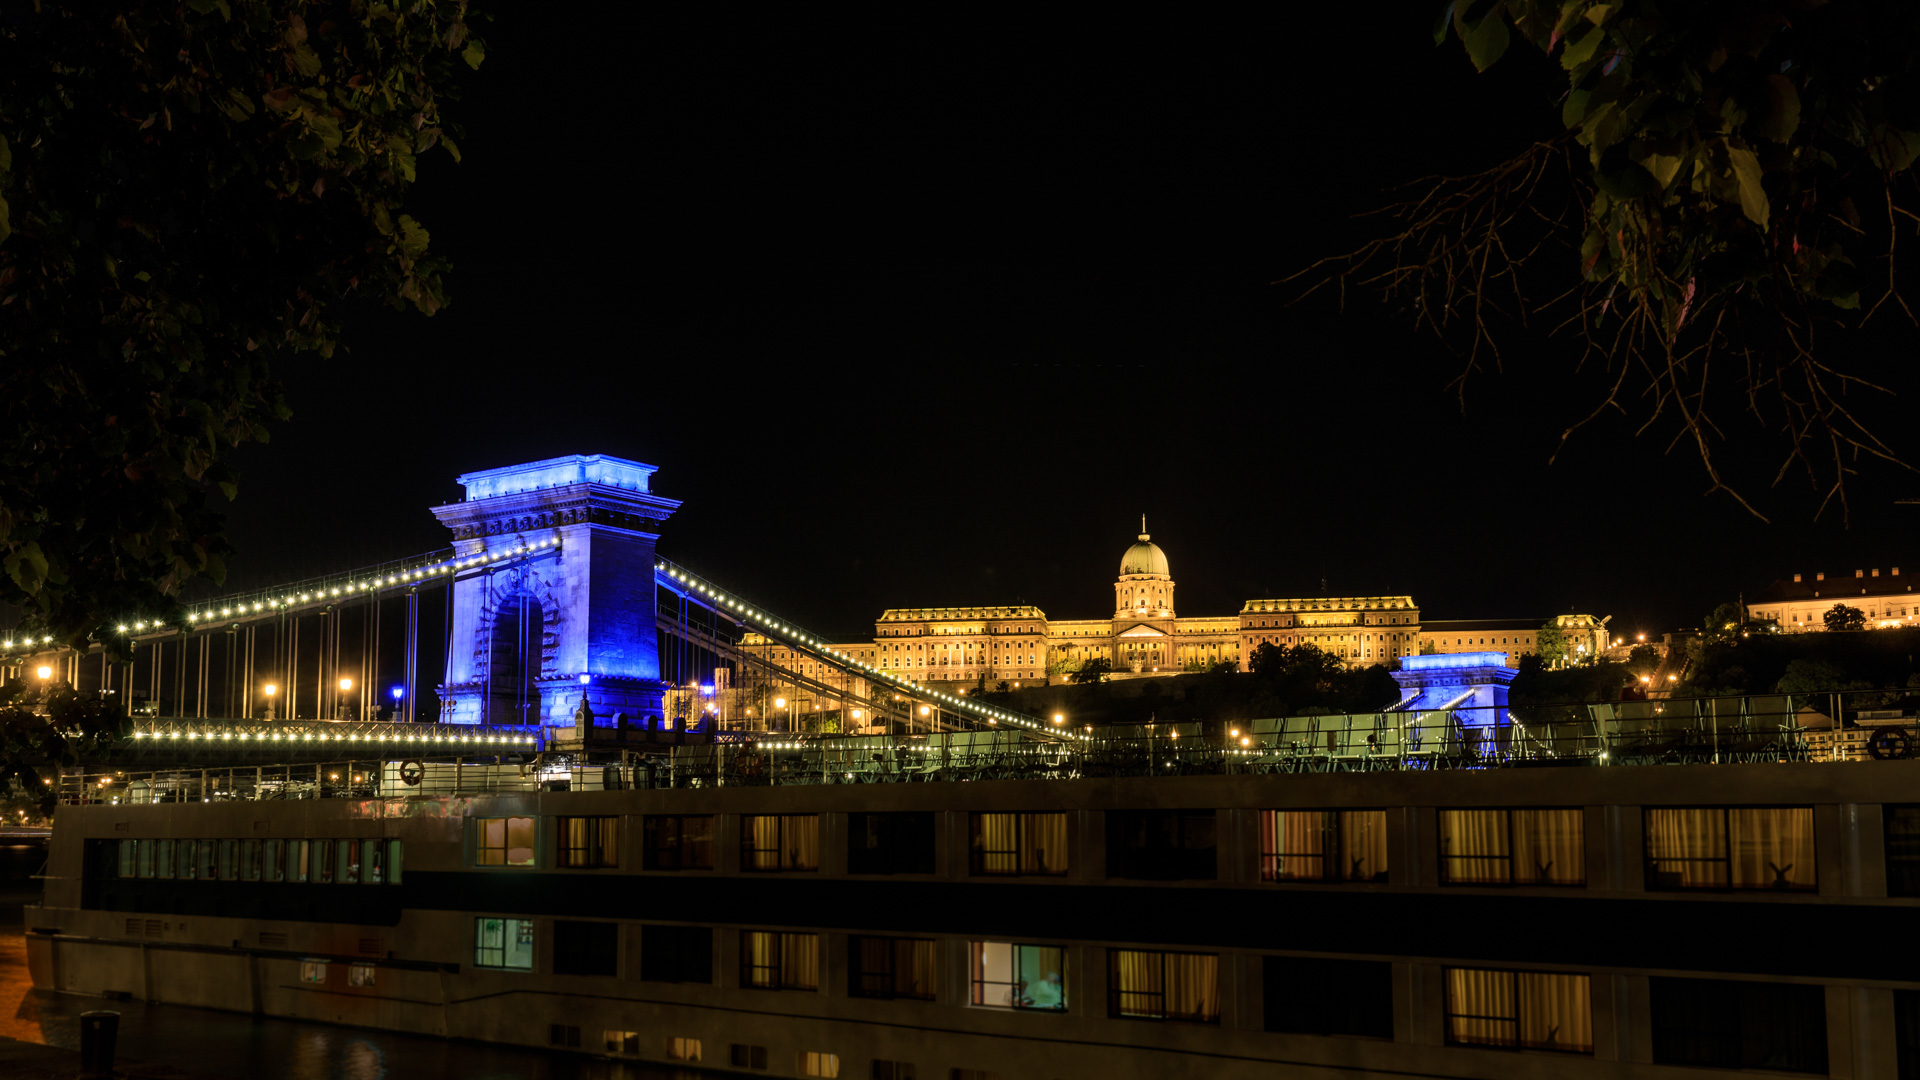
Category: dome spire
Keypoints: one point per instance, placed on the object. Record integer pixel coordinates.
(1143, 528)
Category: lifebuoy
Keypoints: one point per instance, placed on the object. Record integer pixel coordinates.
(1890, 744)
(411, 773)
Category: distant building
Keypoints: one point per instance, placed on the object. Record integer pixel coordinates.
(1800, 605)
(1585, 636)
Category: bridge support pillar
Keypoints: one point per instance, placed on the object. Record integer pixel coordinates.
(556, 602)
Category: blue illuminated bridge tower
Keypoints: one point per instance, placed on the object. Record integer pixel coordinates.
(530, 637)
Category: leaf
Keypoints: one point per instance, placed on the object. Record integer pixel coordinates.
(305, 60)
(1664, 167)
(413, 238)
(27, 566)
(1485, 40)
(1582, 42)
(1839, 283)
(473, 54)
(1892, 149)
(1440, 24)
(1746, 173)
(6, 155)
(1783, 109)
(451, 149)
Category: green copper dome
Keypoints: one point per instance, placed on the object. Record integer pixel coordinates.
(1145, 557)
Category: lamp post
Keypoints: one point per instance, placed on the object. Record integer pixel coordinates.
(398, 692)
(342, 711)
(270, 690)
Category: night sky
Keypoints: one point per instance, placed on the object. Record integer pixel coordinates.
(926, 307)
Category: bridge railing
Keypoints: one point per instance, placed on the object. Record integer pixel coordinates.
(271, 736)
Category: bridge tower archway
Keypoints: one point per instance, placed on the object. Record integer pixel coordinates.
(556, 603)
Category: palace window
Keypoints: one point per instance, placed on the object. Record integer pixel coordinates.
(677, 842)
(1323, 845)
(1521, 1010)
(1163, 985)
(589, 842)
(779, 961)
(1513, 847)
(1010, 976)
(1010, 844)
(503, 943)
(502, 841)
(1731, 848)
(778, 842)
(884, 967)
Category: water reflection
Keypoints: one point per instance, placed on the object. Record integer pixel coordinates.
(213, 1043)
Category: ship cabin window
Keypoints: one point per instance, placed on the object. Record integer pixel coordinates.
(502, 841)
(586, 948)
(1164, 845)
(1902, 825)
(1739, 847)
(1520, 1010)
(588, 842)
(676, 954)
(819, 1063)
(347, 862)
(1004, 845)
(204, 855)
(779, 842)
(322, 863)
(249, 860)
(1731, 1024)
(229, 860)
(1316, 996)
(360, 975)
(898, 843)
(299, 860)
(678, 842)
(1143, 985)
(1513, 847)
(620, 1042)
(272, 856)
(186, 858)
(503, 943)
(770, 960)
(1323, 845)
(164, 859)
(1009, 976)
(885, 967)
(313, 971)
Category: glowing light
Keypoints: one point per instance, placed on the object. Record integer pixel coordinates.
(271, 689)
(346, 684)
(398, 692)
(44, 671)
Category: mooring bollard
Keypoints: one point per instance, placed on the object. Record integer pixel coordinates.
(99, 1029)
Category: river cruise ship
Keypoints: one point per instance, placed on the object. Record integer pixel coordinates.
(1189, 902)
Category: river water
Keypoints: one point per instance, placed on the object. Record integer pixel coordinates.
(219, 1044)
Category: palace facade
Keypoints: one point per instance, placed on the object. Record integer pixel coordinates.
(1799, 606)
(1144, 635)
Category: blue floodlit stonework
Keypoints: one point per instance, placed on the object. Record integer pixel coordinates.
(1473, 684)
(532, 637)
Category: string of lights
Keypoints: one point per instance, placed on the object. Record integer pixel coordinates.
(406, 573)
(772, 626)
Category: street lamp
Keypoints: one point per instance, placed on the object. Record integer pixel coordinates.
(1059, 718)
(44, 672)
(398, 692)
(270, 690)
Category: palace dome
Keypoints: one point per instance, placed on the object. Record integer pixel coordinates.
(1145, 557)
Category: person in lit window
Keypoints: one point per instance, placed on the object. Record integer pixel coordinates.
(1048, 993)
